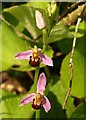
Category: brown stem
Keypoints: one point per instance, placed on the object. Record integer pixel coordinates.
(74, 5)
(73, 16)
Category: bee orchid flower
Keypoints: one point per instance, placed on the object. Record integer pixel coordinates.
(38, 99)
(35, 56)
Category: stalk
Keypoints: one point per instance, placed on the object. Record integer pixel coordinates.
(36, 77)
(38, 115)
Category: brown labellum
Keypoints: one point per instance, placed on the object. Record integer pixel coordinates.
(34, 62)
(36, 104)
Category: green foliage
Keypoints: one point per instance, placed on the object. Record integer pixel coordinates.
(80, 29)
(78, 76)
(78, 61)
(11, 109)
(41, 5)
(58, 37)
(58, 32)
(79, 112)
(56, 98)
(25, 15)
(11, 45)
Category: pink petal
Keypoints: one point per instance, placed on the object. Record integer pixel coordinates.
(41, 83)
(46, 105)
(39, 20)
(27, 99)
(46, 60)
(23, 55)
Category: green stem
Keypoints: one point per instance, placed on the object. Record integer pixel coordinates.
(38, 115)
(35, 87)
(36, 77)
(45, 38)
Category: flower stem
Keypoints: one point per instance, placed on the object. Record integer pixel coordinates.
(35, 85)
(36, 77)
(45, 38)
(38, 114)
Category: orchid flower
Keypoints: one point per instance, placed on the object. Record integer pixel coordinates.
(39, 20)
(38, 99)
(35, 56)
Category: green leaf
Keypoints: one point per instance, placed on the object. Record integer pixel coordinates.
(59, 91)
(11, 45)
(57, 94)
(79, 111)
(65, 45)
(78, 75)
(69, 107)
(56, 97)
(80, 29)
(41, 5)
(58, 32)
(26, 16)
(11, 109)
(13, 21)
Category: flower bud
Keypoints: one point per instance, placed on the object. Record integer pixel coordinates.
(39, 20)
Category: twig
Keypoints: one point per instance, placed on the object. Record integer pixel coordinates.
(69, 9)
(73, 16)
(71, 63)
